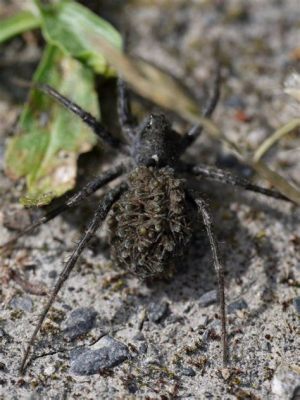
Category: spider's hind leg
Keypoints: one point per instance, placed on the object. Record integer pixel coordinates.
(99, 216)
(203, 210)
(228, 178)
(74, 200)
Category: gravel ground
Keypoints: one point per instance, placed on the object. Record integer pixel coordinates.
(162, 340)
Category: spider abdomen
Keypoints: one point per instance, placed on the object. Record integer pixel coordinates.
(150, 224)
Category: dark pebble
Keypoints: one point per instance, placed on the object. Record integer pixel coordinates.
(296, 303)
(143, 348)
(237, 305)
(158, 311)
(208, 298)
(23, 303)
(52, 274)
(88, 362)
(79, 322)
(235, 102)
(5, 336)
(187, 371)
(267, 347)
(132, 387)
(139, 336)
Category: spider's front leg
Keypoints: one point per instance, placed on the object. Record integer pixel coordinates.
(196, 130)
(126, 119)
(97, 127)
(100, 214)
(73, 201)
(203, 210)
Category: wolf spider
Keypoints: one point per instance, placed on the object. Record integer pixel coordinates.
(151, 209)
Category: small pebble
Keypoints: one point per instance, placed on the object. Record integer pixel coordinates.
(267, 347)
(235, 101)
(79, 322)
(237, 305)
(143, 348)
(23, 303)
(208, 298)
(158, 311)
(225, 372)
(52, 274)
(85, 361)
(187, 371)
(296, 303)
(49, 370)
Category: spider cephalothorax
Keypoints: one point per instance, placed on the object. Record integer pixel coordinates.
(150, 225)
(150, 219)
(156, 141)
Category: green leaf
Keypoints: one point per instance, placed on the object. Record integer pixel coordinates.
(21, 22)
(66, 25)
(50, 138)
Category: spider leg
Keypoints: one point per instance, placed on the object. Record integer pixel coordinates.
(203, 209)
(86, 117)
(196, 130)
(230, 179)
(100, 214)
(74, 200)
(127, 121)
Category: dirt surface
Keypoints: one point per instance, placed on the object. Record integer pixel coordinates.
(171, 332)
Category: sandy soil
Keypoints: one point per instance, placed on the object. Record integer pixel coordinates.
(173, 342)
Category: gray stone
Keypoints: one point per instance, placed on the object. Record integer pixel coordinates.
(296, 303)
(208, 298)
(158, 311)
(285, 382)
(187, 371)
(79, 322)
(237, 305)
(85, 361)
(23, 303)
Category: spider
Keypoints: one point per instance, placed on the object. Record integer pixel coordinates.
(150, 212)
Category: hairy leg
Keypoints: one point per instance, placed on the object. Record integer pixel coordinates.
(196, 130)
(226, 177)
(203, 209)
(126, 119)
(96, 126)
(74, 200)
(100, 214)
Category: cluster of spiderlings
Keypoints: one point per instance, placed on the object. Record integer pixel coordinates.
(149, 225)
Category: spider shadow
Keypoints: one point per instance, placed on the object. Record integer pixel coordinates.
(197, 275)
